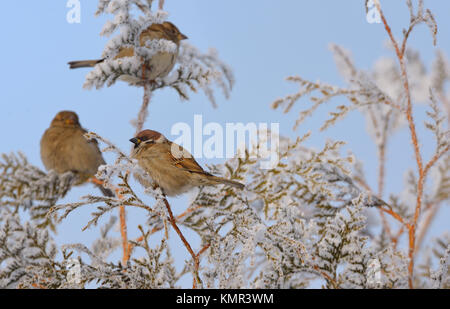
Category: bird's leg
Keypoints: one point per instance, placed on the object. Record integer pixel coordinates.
(96, 181)
(152, 84)
(143, 69)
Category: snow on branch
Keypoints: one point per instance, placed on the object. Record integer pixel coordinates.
(200, 70)
(441, 278)
(27, 256)
(24, 185)
(437, 126)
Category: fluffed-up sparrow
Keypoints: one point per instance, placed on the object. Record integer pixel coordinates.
(65, 149)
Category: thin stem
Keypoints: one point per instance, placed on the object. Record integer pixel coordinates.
(123, 230)
(435, 158)
(397, 236)
(381, 163)
(396, 216)
(382, 153)
(203, 250)
(381, 169)
(143, 111)
(327, 277)
(433, 209)
(123, 233)
(161, 5)
(195, 257)
(123, 223)
(422, 231)
(415, 142)
(446, 104)
(157, 229)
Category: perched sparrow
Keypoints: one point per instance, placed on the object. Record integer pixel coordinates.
(171, 166)
(160, 65)
(65, 149)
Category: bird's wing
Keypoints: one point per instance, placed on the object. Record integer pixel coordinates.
(186, 161)
(125, 52)
(94, 147)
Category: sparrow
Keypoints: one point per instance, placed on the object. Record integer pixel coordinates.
(172, 167)
(160, 65)
(65, 149)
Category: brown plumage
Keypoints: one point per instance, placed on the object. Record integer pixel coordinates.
(172, 167)
(65, 149)
(160, 65)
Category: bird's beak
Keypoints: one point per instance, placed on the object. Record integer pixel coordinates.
(135, 141)
(69, 121)
(181, 37)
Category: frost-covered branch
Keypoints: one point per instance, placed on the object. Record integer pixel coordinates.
(25, 185)
(386, 97)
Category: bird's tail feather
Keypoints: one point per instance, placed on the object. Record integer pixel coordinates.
(84, 63)
(232, 183)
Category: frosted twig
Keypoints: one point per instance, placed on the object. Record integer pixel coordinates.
(195, 257)
(161, 5)
(143, 111)
(412, 127)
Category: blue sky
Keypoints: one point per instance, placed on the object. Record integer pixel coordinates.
(264, 41)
